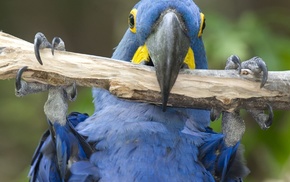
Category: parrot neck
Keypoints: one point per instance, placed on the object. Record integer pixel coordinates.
(194, 119)
(199, 55)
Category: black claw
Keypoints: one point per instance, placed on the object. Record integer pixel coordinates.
(237, 61)
(37, 42)
(74, 91)
(269, 121)
(57, 44)
(40, 42)
(71, 92)
(18, 77)
(214, 114)
(261, 64)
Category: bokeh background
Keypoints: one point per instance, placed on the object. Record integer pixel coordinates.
(246, 28)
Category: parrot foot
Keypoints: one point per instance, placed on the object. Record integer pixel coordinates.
(233, 125)
(253, 66)
(56, 105)
(264, 120)
(23, 88)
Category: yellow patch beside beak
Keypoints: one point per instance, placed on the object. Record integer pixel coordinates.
(142, 54)
(189, 59)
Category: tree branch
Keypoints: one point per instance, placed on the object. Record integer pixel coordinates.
(194, 88)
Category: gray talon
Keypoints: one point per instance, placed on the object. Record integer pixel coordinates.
(40, 42)
(18, 78)
(57, 44)
(72, 92)
(215, 114)
(233, 62)
(262, 65)
(264, 120)
(269, 121)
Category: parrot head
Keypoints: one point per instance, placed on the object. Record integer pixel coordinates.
(166, 34)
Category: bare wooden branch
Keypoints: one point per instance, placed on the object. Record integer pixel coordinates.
(193, 88)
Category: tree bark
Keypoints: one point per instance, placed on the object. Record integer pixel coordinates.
(224, 89)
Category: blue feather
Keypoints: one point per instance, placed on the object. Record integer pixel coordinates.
(43, 167)
(56, 149)
(224, 162)
(84, 171)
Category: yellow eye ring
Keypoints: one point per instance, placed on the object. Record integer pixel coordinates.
(202, 24)
(132, 20)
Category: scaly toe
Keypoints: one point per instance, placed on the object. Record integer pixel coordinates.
(233, 63)
(256, 65)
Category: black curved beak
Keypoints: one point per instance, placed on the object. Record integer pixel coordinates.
(167, 46)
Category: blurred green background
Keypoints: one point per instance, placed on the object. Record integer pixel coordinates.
(245, 28)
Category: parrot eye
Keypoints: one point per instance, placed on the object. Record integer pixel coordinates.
(202, 24)
(132, 20)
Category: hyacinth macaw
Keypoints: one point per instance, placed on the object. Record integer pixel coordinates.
(131, 141)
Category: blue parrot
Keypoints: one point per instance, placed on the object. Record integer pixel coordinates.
(132, 141)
